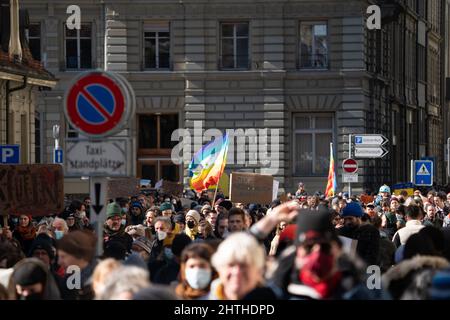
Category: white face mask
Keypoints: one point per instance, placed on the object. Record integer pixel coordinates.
(162, 235)
(198, 278)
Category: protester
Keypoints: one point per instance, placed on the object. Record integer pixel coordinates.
(32, 280)
(113, 228)
(101, 273)
(77, 249)
(192, 222)
(196, 272)
(25, 232)
(123, 282)
(413, 225)
(239, 261)
(236, 220)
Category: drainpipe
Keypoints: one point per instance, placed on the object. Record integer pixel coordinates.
(8, 93)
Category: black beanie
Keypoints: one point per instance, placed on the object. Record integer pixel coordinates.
(29, 272)
(180, 242)
(43, 244)
(314, 225)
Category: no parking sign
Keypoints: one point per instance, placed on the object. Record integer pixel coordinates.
(99, 103)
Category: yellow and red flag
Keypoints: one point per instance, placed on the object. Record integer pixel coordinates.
(332, 182)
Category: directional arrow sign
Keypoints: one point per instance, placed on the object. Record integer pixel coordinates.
(370, 139)
(97, 205)
(370, 152)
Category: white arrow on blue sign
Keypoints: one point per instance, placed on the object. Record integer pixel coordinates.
(58, 156)
(423, 173)
(370, 139)
(10, 154)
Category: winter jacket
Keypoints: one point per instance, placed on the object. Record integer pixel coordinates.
(412, 278)
(440, 286)
(402, 235)
(120, 235)
(352, 285)
(368, 247)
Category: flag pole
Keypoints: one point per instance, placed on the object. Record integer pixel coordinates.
(218, 181)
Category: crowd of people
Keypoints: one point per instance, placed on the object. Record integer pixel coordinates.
(159, 246)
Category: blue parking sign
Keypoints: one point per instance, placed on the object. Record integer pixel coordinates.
(58, 156)
(423, 173)
(10, 154)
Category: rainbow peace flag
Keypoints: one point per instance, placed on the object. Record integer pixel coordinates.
(208, 164)
(332, 182)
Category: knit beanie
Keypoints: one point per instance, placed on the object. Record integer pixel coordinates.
(113, 210)
(79, 244)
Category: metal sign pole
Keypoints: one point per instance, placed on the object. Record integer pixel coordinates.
(349, 156)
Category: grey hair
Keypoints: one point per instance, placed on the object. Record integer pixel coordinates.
(126, 279)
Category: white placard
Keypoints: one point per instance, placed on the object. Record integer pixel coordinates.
(350, 177)
(276, 185)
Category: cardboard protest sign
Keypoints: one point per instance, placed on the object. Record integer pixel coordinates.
(251, 188)
(36, 189)
(172, 188)
(349, 245)
(122, 188)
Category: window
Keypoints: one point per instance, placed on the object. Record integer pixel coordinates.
(34, 40)
(313, 45)
(157, 46)
(312, 138)
(234, 49)
(155, 147)
(155, 131)
(79, 47)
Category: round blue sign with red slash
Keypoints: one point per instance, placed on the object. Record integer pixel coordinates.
(98, 103)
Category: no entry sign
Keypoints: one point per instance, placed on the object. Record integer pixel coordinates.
(350, 166)
(98, 104)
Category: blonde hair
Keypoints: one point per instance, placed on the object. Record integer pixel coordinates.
(101, 273)
(240, 248)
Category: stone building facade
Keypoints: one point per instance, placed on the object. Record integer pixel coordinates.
(309, 71)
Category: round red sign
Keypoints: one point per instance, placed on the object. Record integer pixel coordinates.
(98, 104)
(350, 166)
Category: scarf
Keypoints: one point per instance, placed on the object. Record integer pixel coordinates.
(191, 233)
(28, 232)
(325, 288)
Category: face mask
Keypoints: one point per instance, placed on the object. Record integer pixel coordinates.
(15, 220)
(162, 235)
(59, 234)
(168, 252)
(83, 214)
(318, 264)
(124, 210)
(124, 222)
(198, 278)
(191, 224)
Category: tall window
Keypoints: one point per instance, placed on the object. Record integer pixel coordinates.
(155, 147)
(157, 46)
(34, 40)
(79, 47)
(234, 49)
(313, 45)
(312, 137)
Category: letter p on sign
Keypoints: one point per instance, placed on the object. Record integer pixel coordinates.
(9, 154)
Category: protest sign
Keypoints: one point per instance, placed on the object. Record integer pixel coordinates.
(36, 189)
(251, 188)
(172, 188)
(122, 188)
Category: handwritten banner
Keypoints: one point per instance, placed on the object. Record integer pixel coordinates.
(36, 189)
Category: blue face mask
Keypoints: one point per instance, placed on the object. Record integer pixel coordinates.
(124, 222)
(59, 234)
